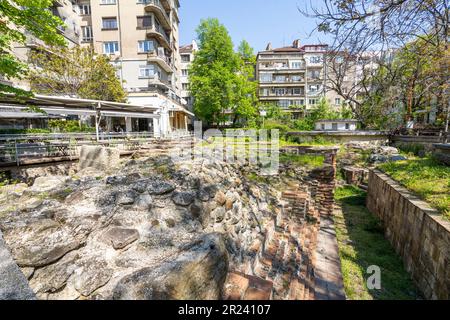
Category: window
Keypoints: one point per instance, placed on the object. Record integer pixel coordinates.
(313, 102)
(111, 47)
(108, 2)
(147, 71)
(335, 127)
(85, 9)
(322, 126)
(185, 86)
(185, 58)
(347, 126)
(298, 91)
(265, 77)
(314, 88)
(296, 78)
(87, 33)
(315, 59)
(296, 65)
(280, 79)
(109, 23)
(185, 72)
(314, 74)
(283, 103)
(280, 92)
(298, 102)
(337, 101)
(144, 22)
(146, 46)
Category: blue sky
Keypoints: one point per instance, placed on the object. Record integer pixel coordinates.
(257, 21)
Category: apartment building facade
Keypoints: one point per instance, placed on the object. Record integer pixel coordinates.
(187, 53)
(295, 78)
(67, 11)
(142, 39)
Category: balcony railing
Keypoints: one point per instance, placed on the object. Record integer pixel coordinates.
(157, 3)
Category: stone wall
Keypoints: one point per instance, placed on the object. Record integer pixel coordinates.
(426, 141)
(375, 137)
(417, 232)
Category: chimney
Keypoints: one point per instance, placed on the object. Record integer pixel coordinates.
(269, 46)
(296, 44)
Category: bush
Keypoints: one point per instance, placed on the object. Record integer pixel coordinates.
(69, 126)
(24, 131)
(304, 124)
(412, 148)
(282, 128)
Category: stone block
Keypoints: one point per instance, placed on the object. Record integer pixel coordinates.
(99, 158)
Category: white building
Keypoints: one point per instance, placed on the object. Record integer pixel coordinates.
(336, 125)
(187, 57)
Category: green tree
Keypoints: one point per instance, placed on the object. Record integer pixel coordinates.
(78, 72)
(213, 74)
(18, 18)
(245, 95)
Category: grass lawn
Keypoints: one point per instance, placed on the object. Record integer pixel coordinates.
(310, 161)
(362, 244)
(426, 177)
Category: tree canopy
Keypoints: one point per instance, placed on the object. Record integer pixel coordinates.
(407, 41)
(17, 19)
(76, 72)
(220, 77)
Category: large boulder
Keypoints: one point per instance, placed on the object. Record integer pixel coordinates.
(198, 273)
(48, 184)
(41, 243)
(13, 284)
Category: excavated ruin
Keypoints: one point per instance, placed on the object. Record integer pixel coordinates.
(158, 229)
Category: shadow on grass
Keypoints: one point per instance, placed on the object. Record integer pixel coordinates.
(362, 244)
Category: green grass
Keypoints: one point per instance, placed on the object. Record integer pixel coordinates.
(425, 177)
(303, 160)
(362, 244)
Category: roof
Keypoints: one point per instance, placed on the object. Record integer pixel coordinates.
(339, 120)
(187, 48)
(292, 48)
(73, 106)
(22, 114)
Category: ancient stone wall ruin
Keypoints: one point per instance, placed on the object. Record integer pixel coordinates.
(418, 234)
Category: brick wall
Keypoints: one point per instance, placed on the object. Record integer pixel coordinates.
(417, 232)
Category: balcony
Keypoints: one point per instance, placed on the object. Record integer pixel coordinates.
(59, 3)
(166, 4)
(158, 10)
(272, 95)
(288, 82)
(161, 60)
(159, 33)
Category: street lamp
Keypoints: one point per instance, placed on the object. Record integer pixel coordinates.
(263, 114)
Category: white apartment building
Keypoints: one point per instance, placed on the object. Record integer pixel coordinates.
(142, 39)
(187, 53)
(295, 78)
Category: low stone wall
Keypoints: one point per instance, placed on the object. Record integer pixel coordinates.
(417, 232)
(375, 137)
(442, 153)
(425, 141)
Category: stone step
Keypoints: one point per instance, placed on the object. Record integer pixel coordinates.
(241, 286)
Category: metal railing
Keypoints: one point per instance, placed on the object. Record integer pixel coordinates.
(19, 149)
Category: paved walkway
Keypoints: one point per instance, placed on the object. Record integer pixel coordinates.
(13, 284)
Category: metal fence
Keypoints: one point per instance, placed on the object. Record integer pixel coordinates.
(14, 149)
